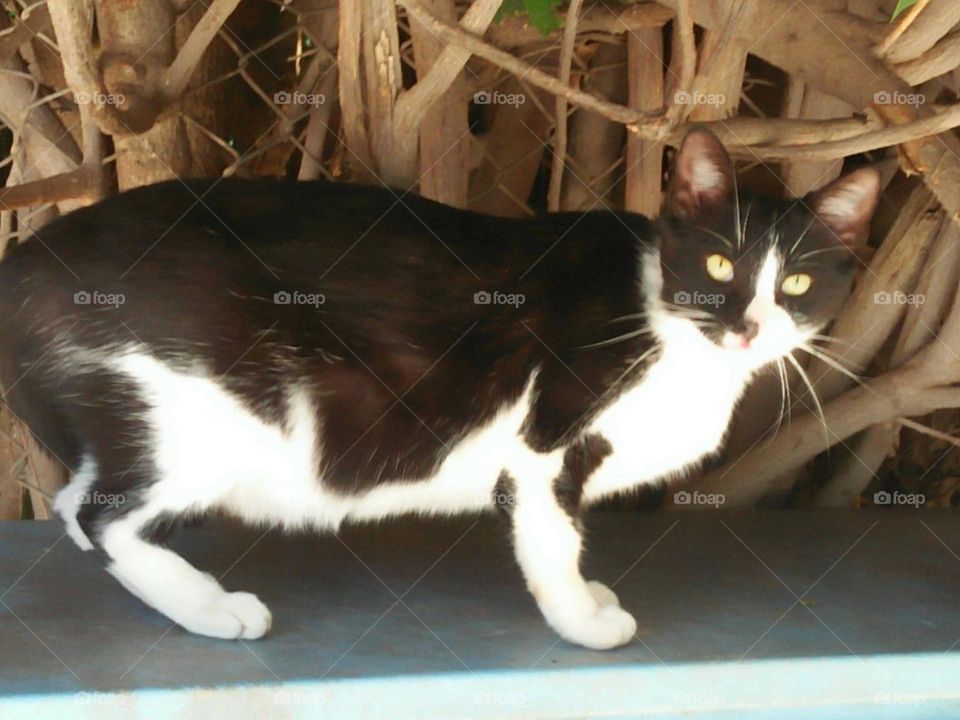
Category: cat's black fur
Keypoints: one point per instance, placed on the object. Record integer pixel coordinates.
(404, 357)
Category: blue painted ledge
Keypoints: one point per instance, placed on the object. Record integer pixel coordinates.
(781, 615)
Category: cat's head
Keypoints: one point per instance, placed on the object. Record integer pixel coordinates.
(758, 277)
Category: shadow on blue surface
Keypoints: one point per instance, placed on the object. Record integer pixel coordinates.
(796, 614)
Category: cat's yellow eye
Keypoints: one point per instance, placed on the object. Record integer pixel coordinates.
(719, 268)
(796, 284)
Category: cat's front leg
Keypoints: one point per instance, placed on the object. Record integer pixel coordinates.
(541, 495)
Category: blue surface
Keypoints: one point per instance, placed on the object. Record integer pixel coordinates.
(747, 615)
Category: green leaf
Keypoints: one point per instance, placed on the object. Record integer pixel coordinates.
(902, 5)
(541, 13)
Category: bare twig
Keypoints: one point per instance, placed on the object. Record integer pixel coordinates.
(905, 22)
(413, 104)
(683, 40)
(923, 31)
(646, 124)
(80, 184)
(920, 428)
(177, 76)
(35, 20)
(560, 133)
(353, 117)
(601, 18)
(898, 134)
(941, 58)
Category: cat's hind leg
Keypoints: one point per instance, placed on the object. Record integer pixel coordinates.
(541, 495)
(169, 584)
(121, 524)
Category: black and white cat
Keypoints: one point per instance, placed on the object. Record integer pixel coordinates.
(306, 354)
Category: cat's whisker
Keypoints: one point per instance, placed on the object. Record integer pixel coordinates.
(688, 311)
(736, 198)
(830, 338)
(802, 236)
(619, 338)
(743, 232)
(814, 253)
(633, 365)
(783, 400)
(633, 316)
(814, 396)
(827, 359)
(717, 235)
(786, 382)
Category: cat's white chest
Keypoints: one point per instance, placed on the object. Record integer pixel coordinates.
(675, 417)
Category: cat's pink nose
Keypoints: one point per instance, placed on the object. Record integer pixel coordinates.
(735, 341)
(742, 335)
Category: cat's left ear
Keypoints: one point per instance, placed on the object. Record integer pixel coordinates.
(846, 205)
(702, 175)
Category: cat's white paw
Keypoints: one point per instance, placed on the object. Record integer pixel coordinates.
(608, 627)
(602, 594)
(230, 616)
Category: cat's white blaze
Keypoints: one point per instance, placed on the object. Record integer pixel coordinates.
(213, 451)
(679, 412)
(778, 331)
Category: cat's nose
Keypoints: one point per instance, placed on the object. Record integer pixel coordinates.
(748, 329)
(742, 334)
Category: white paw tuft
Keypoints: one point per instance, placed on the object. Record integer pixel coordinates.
(608, 627)
(230, 616)
(602, 594)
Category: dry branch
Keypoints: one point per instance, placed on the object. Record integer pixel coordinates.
(646, 124)
(81, 184)
(34, 20)
(905, 22)
(686, 56)
(560, 134)
(937, 286)
(915, 130)
(614, 20)
(177, 76)
(941, 58)
(922, 32)
(644, 158)
(444, 131)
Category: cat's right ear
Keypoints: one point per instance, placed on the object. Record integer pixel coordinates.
(702, 175)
